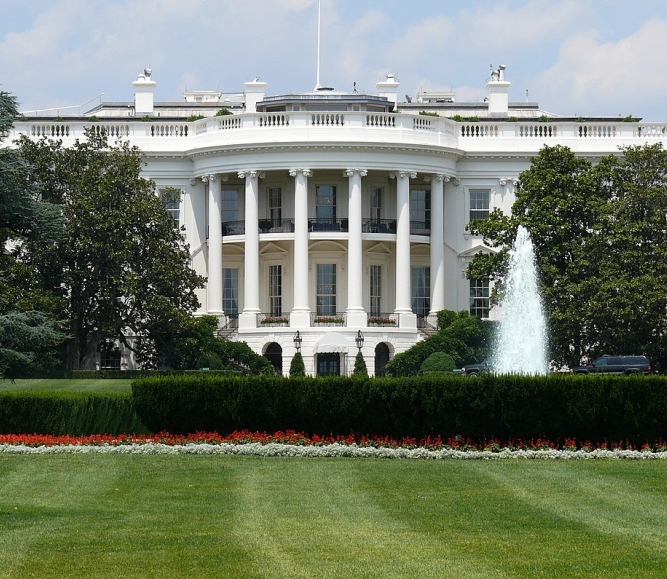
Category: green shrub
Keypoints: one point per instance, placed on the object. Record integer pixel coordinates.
(438, 362)
(223, 112)
(66, 412)
(360, 370)
(296, 367)
(462, 336)
(554, 407)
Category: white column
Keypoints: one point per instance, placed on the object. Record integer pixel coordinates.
(403, 273)
(300, 315)
(214, 285)
(248, 318)
(437, 243)
(356, 316)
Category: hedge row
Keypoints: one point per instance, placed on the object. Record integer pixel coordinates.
(65, 412)
(595, 408)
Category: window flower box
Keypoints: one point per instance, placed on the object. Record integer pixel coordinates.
(379, 321)
(328, 320)
(279, 321)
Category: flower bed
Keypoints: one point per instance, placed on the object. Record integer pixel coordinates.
(297, 444)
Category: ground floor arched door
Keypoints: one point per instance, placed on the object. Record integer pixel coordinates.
(381, 358)
(274, 354)
(328, 364)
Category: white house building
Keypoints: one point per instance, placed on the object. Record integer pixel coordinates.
(329, 221)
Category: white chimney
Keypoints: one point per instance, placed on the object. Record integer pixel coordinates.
(388, 88)
(498, 89)
(254, 92)
(144, 88)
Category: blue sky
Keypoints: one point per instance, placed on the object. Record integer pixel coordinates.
(575, 57)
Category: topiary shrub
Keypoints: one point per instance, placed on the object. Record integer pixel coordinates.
(438, 362)
(296, 367)
(360, 370)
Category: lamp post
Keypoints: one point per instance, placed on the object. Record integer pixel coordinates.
(297, 341)
(359, 340)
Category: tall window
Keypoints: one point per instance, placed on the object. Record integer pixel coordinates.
(377, 194)
(275, 206)
(275, 290)
(479, 204)
(376, 290)
(325, 202)
(420, 210)
(421, 290)
(230, 205)
(479, 298)
(171, 199)
(230, 290)
(326, 289)
(110, 357)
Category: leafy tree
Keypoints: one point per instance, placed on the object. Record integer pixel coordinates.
(599, 233)
(465, 339)
(28, 334)
(121, 267)
(360, 370)
(192, 344)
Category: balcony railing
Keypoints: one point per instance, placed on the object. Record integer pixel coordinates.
(378, 226)
(337, 319)
(233, 228)
(272, 320)
(383, 320)
(276, 225)
(321, 224)
(326, 225)
(420, 228)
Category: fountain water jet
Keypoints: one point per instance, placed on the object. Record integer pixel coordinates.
(521, 343)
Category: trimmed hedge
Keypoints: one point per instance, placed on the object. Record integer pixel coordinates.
(62, 412)
(555, 407)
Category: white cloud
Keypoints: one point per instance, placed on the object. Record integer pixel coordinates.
(627, 73)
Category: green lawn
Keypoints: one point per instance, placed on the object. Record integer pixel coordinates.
(83, 385)
(217, 516)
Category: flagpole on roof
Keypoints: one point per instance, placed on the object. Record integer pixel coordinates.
(319, 29)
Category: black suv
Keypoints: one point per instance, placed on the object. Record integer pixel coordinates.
(475, 369)
(616, 365)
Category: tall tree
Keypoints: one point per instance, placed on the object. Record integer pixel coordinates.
(121, 266)
(598, 233)
(28, 337)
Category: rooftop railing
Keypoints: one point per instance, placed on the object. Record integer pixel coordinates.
(343, 126)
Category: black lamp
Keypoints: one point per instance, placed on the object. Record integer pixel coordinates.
(297, 341)
(359, 340)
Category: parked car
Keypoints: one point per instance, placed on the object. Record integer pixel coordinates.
(475, 369)
(616, 365)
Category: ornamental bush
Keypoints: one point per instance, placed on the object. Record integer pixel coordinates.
(438, 362)
(595, 408)
(63, 412)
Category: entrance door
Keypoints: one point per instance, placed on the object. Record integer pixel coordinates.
(381, 358)
(274, 353)
(328, 364)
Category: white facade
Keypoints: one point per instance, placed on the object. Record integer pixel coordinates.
(332, 214)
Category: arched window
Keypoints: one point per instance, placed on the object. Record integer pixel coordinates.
(274, 354)
(381, 358)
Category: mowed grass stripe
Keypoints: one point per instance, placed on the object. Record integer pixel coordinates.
(219, 516)
(82, 385)
(332, 523)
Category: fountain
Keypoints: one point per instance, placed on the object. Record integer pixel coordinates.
(521, 342)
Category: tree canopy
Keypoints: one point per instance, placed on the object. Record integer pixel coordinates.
(120, 266)
(600, 237)
(29, 329)
(464, 337)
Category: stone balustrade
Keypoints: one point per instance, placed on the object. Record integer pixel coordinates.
(349, 126)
